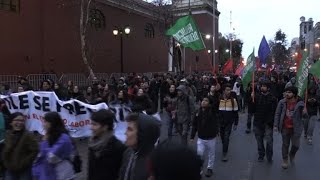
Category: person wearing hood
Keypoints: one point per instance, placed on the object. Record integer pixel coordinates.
(174, 161)
(265, 105)
(184, 111)
(105, 150)
(291, 83)
(170, 106)
(142, 133)
(288, 121)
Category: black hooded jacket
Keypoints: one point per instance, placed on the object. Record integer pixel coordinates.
(135, 161)
(265, 107)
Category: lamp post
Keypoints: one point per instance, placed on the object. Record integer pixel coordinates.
(121, 31)
(213, 60)
(317, 51)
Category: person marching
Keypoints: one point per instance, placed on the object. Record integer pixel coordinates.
(265, 105)
(228, 111)
(288, 121)
(205, 124)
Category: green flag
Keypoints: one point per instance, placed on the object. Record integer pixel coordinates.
(302, 75)
(248, 70)
(185, 31)
(315, 69)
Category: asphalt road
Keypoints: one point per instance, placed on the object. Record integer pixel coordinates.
(243, 158)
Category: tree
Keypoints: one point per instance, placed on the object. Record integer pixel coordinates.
(164, 11)
(85, 7)
(224, 45)
(84, 21)
(279, 52)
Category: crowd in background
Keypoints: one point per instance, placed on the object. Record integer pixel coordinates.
(205, 104)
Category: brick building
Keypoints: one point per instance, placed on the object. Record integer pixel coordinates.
(43, 36)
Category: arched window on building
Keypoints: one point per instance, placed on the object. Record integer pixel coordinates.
(10, 5)
(97, 19)
(149, 30)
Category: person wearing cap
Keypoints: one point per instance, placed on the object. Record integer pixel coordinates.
(105, 150)
(184, 111)
(265, 105)
(142, 133)
(288, 121)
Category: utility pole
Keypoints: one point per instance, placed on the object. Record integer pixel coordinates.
(214, 35)
(231, 35)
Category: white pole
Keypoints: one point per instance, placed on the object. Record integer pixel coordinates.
(170, 59)
(213, 35)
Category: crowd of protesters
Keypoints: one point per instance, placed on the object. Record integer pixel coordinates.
(199, 104)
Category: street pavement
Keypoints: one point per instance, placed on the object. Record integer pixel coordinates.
(243, 158)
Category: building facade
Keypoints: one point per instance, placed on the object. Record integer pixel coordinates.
(42, 36)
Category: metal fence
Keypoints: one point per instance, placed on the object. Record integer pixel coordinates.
(35, 80)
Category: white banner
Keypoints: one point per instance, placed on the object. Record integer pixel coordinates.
(75, 114)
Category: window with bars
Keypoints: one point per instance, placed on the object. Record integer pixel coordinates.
(97, 19)
(149, 31)
(10, 5)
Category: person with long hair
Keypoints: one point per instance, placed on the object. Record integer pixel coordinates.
(56, 151)
(20, 149)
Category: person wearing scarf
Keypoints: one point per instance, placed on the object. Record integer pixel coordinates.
(105, 150)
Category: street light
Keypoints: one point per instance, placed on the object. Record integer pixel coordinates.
(210, 37)
(121, 31)
(306, 50)
(316, 45)
(115, 32)
(216, 51)
(127, 30)
(209, 51)
(227, 50)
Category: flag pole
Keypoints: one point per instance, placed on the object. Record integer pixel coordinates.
(253, 89)
(306, 95)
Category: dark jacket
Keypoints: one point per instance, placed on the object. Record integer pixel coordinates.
(206, 124)
(312, 104)
(107, 165)
(265, 107)
(215, 99)
(135, 161)
(20, 151)
(185, 106)
(143, 103)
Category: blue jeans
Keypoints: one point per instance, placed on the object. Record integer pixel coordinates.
(26, 175)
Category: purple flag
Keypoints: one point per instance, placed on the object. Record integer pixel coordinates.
(264, 50)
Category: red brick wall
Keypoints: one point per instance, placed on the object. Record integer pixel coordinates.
(49, 35)
(19, 39)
